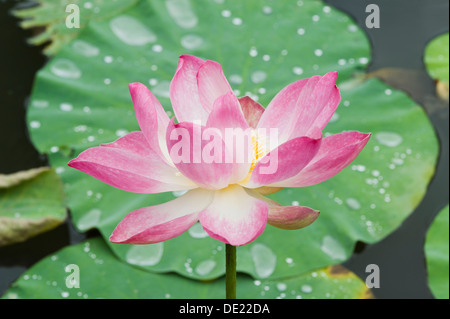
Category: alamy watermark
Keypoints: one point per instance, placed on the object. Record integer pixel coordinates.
(198, 144)
(73, 279)
(373, 19)
(373, 279)
(73, 18)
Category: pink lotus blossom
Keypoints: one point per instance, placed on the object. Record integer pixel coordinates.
(225, 196)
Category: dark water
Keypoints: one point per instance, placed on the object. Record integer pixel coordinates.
(406, 26)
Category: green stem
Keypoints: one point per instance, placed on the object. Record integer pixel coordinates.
(230, 277)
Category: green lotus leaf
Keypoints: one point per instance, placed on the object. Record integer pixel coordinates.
(81, 99)
(436, 62)
(436, 252)
(58, 20)
(31, 202)
(89, 270)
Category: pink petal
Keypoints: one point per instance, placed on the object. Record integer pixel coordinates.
(131, 165)
(287, 217)
(211, 84)
(184, 93)
(316, 105)
(267, 190)
(335, 153)
(228, 118)
(302, 107)
(292, 217)
(199, 157)
(151, 117)
(281, 110)
(285, 161)
(234, 217)
(158, 223)
(252, 110)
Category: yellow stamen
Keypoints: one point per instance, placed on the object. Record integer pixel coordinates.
(259, 150)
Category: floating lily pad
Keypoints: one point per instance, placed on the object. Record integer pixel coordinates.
(436, 61)
(32, 203)
(436, 58)
(437, 252)
(89, 270)
(81, 100)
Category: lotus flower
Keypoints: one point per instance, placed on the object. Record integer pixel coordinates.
(225, 191)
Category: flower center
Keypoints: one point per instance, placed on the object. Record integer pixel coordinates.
(259, 145)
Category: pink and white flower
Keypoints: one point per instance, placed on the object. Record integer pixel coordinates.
(225, 196)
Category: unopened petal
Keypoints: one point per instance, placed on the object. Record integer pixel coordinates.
(184, 93)
(211, 84)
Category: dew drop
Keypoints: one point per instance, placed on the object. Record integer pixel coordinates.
(301, 31)
(197, 231)
(235, 79)
(85, 48)
(108, 59)
(389, 139)
(179, 193)
(66, 107)
(191, 41)
(297, 70)
(40, 104)
(359, 168)
(267, 10)
(306, 289)
(281, 286)
(258, 76)
(363, 60)
(226, 13)
(121, 132)
(35, 124)
(157, 48)
(89, 220)
(352, 28)
(342, 61)
(333, 248)
(162, 89)
(131, 31)
(334, 117)
(66, 69)
(236, 21)
(264, 260)
(145, 255)
(318, 52)
(353, 203)
(64, 294)
(205, 267)
(181, 11)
